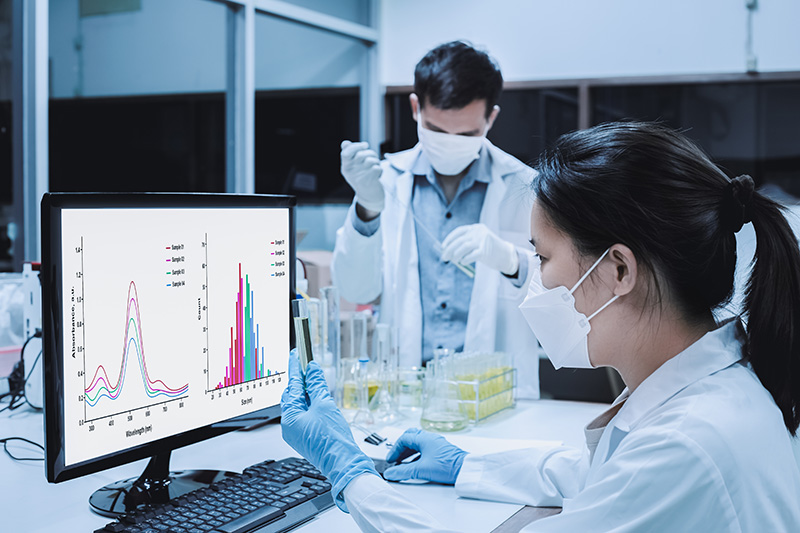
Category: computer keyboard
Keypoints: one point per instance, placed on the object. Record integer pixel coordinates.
(267, 497)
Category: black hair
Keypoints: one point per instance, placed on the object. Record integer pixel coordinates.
(652, 189)
(455, 74)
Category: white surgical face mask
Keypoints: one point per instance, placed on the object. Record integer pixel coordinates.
(448, 154)
(560, 328)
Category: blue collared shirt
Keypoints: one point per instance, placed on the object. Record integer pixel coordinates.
(445, 289)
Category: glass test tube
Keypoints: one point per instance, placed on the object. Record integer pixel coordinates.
(302, 332)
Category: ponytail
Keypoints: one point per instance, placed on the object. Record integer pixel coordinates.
(772, 308)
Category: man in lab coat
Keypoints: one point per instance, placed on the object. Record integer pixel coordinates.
(423, 219)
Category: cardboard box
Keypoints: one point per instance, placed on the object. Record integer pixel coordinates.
(318, 269)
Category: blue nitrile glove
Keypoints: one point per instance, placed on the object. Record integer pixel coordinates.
(439, 460)
(314, 427)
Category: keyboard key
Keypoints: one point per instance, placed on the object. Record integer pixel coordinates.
(256, 518)
(300, 497)
(131, 518)
(287, 492)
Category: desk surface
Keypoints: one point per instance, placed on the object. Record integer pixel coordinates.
(29, 503)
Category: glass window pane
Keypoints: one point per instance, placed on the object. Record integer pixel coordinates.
(531, 119)
(6, 163)
(293, 56)
(745, 127)
(353, 10)
(307, 101)
(779, 134)
(138, 99)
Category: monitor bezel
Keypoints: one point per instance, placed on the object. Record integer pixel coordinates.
(52, 205)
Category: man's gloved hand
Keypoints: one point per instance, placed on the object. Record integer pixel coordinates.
(314, 427)
(476, 242)
(439, 460)
(361, 167)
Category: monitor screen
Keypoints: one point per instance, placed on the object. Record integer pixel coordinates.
(164, 315)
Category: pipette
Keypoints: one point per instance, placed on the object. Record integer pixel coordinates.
(466, 269)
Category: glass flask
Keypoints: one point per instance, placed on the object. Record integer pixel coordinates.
(441, 399)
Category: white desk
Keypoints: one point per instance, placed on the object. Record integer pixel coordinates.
(28, 503)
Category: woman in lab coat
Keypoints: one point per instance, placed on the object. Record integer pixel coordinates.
(634, 227)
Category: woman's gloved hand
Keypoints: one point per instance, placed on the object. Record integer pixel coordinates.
(439, 460)
(314, 427)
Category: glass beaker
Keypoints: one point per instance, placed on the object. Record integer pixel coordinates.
(409, 387)
(441, 409)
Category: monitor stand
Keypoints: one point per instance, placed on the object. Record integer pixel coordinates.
(156, 485)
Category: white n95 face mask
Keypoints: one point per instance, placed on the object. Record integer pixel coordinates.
(449, 154)
(560, 328)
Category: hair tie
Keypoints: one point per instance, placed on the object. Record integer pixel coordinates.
(737, 203)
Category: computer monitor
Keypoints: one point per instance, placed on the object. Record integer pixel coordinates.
(166, 318)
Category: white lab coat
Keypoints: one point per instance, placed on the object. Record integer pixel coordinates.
(698, 446)
(386, 265)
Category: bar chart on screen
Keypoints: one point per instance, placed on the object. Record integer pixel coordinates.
(246, 352)
(243, 357)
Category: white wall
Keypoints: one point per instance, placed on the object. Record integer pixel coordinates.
(537, 39)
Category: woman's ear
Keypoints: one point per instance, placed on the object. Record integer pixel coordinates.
(626, 269)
